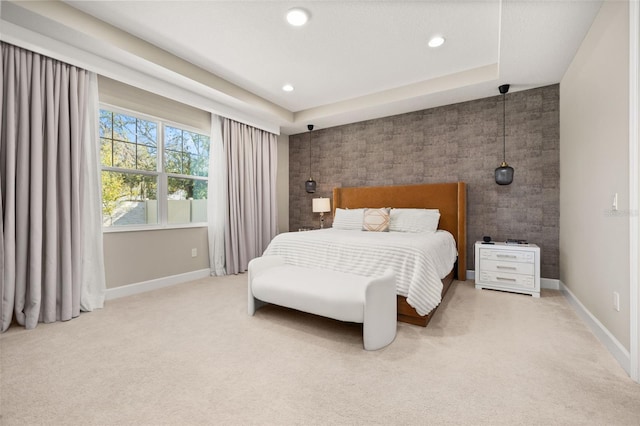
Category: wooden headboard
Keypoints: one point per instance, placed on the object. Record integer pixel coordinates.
(449, 198)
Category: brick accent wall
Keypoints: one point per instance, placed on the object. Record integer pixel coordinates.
(460, 142)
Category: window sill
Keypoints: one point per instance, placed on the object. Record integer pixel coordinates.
(116, 229)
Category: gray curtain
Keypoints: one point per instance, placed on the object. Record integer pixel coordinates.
(44, 142)
(251, 223)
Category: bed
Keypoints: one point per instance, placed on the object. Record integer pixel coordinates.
(425, 264)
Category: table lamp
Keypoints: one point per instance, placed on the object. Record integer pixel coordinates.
(322, 206)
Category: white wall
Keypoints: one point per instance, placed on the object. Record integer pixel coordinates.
(133, 257)
(124, 96)
(77, 38)
(138, 256)
(594, 165)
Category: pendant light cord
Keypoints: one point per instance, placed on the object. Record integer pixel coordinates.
(310, 174)
(504, 130)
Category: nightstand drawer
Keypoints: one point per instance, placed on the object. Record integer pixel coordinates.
(510, 267)
(507, 279)
(507, 255)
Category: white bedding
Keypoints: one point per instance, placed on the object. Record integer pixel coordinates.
(420, 260)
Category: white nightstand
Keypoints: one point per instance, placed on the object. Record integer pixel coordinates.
(508, 267)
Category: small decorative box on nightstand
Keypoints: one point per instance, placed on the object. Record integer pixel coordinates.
(508, 267)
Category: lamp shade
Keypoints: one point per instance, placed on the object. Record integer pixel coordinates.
(310, 186)
(321, 205)
(504, 174)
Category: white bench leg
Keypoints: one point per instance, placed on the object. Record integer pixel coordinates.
(256, 267)
(380, 312)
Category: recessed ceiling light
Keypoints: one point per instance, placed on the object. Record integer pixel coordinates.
(287, 88)
(436, 41)
(297, 17)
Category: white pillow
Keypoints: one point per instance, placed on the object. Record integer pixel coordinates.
(414, 220)
(348, 219)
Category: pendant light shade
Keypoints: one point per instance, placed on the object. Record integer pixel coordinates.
(504, 173)
(310, 185)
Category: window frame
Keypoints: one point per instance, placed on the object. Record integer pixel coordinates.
(161, 175)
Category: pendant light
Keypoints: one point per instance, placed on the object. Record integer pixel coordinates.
(504, 173)
(310, 185)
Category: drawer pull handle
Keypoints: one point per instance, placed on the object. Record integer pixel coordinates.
(513, 268)
(510, 256)
(506, 279)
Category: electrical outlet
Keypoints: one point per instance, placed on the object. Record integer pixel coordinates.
(616, 301)
(194, 252)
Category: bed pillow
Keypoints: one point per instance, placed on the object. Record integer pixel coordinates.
(414, 220)
(376, 220)
(348, 219)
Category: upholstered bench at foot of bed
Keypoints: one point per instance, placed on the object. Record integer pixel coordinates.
(345, 297)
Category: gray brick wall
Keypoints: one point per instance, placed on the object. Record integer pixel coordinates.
(461, 142)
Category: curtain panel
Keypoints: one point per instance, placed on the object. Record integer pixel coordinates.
(50, 234)
(217, 200)
(251, 220)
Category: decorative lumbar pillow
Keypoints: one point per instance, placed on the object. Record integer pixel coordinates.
(376, 220)
(348, 219)
(414, 220)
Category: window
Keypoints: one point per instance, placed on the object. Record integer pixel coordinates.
(145, 160)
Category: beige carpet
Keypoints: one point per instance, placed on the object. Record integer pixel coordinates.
(190, 354)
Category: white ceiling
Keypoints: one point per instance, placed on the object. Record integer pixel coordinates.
(357, 60)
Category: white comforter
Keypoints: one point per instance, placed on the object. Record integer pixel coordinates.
(420, 260)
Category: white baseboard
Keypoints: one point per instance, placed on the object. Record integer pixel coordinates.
(549, 283)
(619, 352)
(141, 287)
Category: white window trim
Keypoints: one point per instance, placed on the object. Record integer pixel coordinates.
(162, 187)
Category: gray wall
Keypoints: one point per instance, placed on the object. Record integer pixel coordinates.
(461, 142)
(282, 183)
